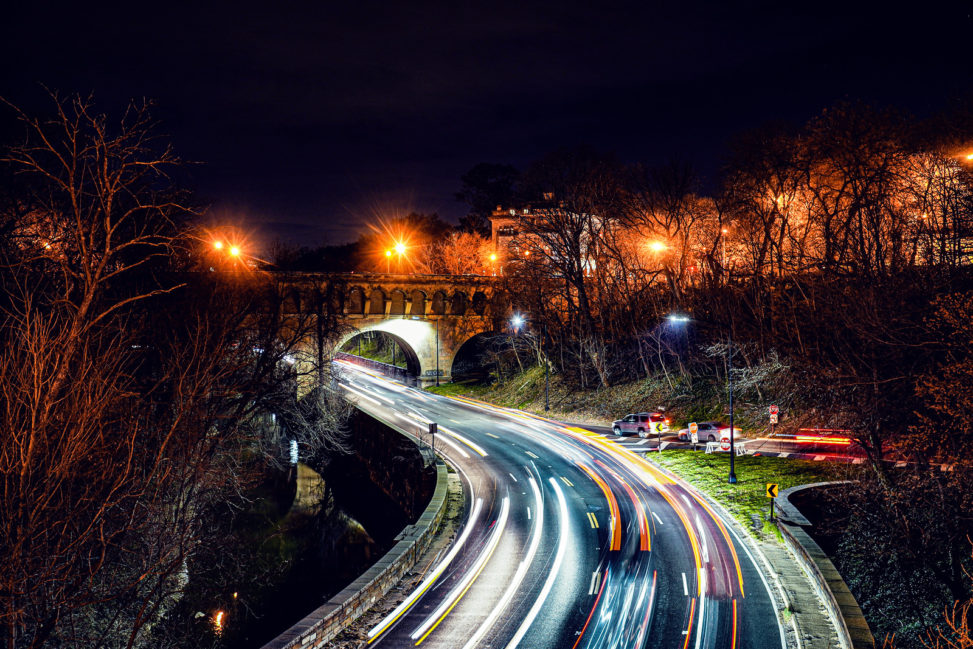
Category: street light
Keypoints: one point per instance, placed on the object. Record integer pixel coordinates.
(388, 260)
(680, 319)
(400, 250)
(517, 321)
(657, 246)
(493, 262)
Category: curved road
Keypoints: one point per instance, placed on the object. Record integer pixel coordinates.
(569, 541)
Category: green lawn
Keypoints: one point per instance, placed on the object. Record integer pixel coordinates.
(472, 390)
(747, 498)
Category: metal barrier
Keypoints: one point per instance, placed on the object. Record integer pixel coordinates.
(391, 371)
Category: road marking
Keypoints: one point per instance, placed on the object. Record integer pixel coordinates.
(644, 441)
(528, 513)
(567, 482)
(685, 586)
(595, 583)
(536, 457)
(512, 477)
(656, 516)
(593, 520)
(493, 436)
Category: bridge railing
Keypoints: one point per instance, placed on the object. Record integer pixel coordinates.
(392, 371)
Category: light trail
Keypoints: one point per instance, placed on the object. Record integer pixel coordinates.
(518, 577)
(614, 522)
(472, 445)
(391, 618)
(562, 548)
(459, 449)
(455, 595)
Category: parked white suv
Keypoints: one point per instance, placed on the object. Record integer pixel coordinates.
(641, 423)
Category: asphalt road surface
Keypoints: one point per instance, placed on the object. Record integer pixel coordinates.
(570, 541)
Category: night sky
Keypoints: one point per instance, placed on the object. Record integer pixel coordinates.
(314, 118)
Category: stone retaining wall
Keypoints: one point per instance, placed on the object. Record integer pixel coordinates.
(328, 620)
(853, 630)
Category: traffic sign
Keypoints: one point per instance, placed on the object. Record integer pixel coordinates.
(693, 427)
(771, 490)
(725, 444)
(773, 410)
(693, 432)
(773, 417)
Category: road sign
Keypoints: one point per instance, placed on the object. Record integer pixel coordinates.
(773, 411)
(771, 490)
(773, 417)
(725, 444)
(693, 432)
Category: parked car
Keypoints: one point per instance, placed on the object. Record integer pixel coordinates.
(709, 431)
(642, 424)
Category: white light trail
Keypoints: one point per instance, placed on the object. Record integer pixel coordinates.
(518, 577)
(562, 549)
(472, 445)
(459, 449)
(472, 573)
(380, 628)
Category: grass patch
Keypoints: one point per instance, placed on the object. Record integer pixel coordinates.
(473, 390)
(748, 497)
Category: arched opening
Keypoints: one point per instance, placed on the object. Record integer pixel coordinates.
(476, 359)
(458, 304)
(479, 303)
(397, 303)
(356, 301)
(384, 352)
(418, 306)
(439, 303)
(376, 302)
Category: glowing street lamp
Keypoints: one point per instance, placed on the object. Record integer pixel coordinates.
(493, 262)
(388, 260)
(399, 248)
(234, 251)
(218, 245)
(680, 319)
(658, 246)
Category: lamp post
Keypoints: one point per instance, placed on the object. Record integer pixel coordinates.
(388, 261)
(400, 250)
(683, 319)
(547, 400)
(437, 351)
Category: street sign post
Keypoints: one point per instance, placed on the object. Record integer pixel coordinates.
(433, 427)
(771, 493)
(694, 433)
(725, 444)
(773, 419)
(774, 410)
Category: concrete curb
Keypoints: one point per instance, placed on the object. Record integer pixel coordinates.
(328, 620)
(853, 630)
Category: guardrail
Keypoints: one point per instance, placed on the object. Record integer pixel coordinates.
(321, 626)
(392, 371)
(853, 631)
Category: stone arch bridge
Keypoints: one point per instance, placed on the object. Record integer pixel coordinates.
(430, 316)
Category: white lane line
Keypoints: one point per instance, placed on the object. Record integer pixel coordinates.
(595, 582)
(518, 577)
(562, 549)
(512, 477)
(528, 513)
(702, 540)
(656, 516)
(685, 586)
(433, 576)
(644, 441)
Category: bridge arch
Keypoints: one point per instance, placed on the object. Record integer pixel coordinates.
(438, 303)
(458, 304)
(418, 306)
(356, 301)
(397, 302)
(376, 302)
